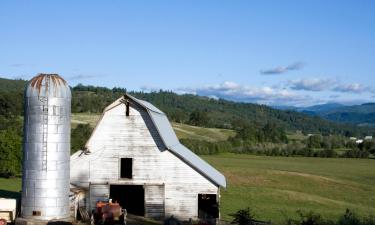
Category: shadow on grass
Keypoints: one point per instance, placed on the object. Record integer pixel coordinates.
(10, 194)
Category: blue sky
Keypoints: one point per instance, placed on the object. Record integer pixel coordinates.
(269, 52)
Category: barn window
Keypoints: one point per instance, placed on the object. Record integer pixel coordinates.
(126, 170)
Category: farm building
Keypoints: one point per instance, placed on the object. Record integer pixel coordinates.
(134, 157)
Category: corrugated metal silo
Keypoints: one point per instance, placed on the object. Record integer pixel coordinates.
(45, 183)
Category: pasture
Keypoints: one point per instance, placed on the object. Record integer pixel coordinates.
(276, 187)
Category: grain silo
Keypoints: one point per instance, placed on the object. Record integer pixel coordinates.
(45, 183)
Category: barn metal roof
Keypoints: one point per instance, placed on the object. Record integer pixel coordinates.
(171, 141)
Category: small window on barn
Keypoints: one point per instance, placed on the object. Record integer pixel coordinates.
(126, 170)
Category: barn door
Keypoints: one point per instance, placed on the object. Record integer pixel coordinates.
(130, 197)
(154, 201)
(208, 206)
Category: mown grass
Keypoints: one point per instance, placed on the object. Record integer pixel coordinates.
(182, 130)
(84, 118)
(202, 133)
(278, 186)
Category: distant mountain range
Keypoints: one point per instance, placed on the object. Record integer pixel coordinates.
(361, 115)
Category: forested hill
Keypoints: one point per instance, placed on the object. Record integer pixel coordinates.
(11, 97)
(227, 114)
(8, 85)
(362, 115)
(191, 109)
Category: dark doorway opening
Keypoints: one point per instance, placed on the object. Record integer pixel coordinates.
(130, 197)
(208, 207)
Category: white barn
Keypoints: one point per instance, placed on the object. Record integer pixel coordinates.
(134, 157)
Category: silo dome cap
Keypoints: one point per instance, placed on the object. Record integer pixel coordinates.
(47, 85)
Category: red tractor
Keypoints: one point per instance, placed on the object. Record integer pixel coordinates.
(108, 213)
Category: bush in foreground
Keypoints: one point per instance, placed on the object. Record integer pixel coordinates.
(243, 217)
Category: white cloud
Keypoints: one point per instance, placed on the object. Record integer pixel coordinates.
(149, 88)
(313, 84)
(319, 84)
(352, 88)
(234, 91)
(282, 69)
(82, 77)
(283, 94)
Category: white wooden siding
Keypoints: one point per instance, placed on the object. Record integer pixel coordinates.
(154, 201)
(117, 136)
(98, 192)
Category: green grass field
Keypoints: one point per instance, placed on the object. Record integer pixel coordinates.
(182, 130)
(277, 186)
(84, 118)
(202, 133)
(10, 188)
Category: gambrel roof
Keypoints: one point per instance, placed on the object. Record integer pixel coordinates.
(171, 141)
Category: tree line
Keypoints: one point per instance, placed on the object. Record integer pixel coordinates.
(260, 129)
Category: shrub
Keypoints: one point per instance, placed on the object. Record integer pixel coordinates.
(349, 218)
(308, 218)
(243, 217)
